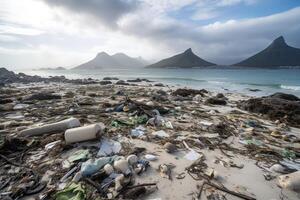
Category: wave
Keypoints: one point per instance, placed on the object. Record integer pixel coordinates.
(290, 87)
(175, 78)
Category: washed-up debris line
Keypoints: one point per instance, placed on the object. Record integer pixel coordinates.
(76, 141)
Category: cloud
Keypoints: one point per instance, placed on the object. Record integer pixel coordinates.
(107, 11)
(222, 42)
(67, 28)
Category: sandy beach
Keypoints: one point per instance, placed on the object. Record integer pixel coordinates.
(183, 140)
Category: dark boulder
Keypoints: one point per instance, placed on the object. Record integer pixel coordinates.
(110, 78)
(105, 82)
(5, 101)
(121, 82)
(189, 92)
(279, 106)
(288, 97)
(216, 101)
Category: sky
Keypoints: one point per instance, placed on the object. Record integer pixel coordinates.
(52, 33)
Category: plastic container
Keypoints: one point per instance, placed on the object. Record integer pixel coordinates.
(85, 133)
(51, 128)
(290, 181)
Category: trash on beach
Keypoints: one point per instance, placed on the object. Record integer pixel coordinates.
(109, 147)
(151, 157)
(20, 106)
(122, 166)
(138, 131)
(16, 116)
(206, 123)
(78, 155)
(290, 181)
(170, 147)
(51, 128)
(73, 192)
(161, 134)
(168, 125)
(91, 166)
(84, 133)
(192, 155)
(165, 171)
(52, 145)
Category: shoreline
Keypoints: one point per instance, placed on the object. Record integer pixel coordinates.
(231, 146)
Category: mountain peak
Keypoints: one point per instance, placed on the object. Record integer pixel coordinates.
(187, 59)
(189, 50)
(102, 54)
(279, 42)
(277, 54)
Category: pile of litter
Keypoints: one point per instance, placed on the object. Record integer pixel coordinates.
(116, 141)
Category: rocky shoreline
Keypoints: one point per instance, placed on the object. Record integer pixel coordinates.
(136, 139)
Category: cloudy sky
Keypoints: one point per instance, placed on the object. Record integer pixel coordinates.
(51, 33)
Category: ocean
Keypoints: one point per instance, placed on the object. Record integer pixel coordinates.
(266, 81)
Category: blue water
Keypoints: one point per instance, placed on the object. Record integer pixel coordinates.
(221, 80)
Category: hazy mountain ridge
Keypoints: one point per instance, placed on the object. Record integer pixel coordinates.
(187, 59)
(118, 60)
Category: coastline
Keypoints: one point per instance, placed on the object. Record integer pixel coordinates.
(230, 141)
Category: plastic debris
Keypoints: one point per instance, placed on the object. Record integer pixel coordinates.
(72, 192)
(138, 131)
(91, 166)
(161, 134)
(109, 147)
(81, 134)
(192, 155)
(290, 181)
(150, 157)
(51, 128)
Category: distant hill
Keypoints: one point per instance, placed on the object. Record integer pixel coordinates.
(49, 68)
(277, 54)
(186, 59)
(118, 60)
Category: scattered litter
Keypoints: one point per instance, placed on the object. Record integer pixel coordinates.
(151, 157)
(161, 134)
(109, 147)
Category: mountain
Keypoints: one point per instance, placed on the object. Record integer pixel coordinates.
(277, 54)
(186, 59)
(49, 68)
(118, 60)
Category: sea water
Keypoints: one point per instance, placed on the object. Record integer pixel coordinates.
(266, 81)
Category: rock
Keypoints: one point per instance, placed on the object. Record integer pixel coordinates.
(284, 96)
(42, 96)
(159, 85)
(220, 96)
(188, 92)
(5, 101)
(104, 82)
(121, 82)
(216, 101)
(135, 80)
(110, 78)
(279, 106)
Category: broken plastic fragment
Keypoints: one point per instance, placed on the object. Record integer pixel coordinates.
(109, 147)
(192, 155)
(161, 134)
